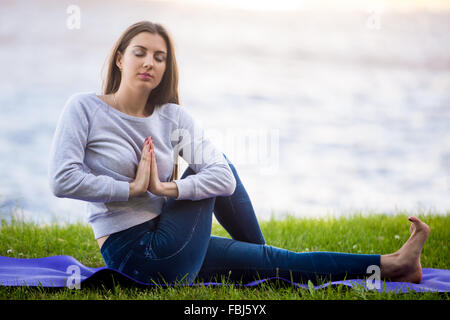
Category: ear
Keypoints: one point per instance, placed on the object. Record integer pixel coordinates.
(119, 60)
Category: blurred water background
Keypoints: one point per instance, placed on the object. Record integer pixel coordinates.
(325, 108)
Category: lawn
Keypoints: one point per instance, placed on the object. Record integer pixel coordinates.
(356, 233)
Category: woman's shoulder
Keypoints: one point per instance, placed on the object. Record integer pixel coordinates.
(79, 99)
(84, 102)
(180, 115)
(171, 111)
(82, 96)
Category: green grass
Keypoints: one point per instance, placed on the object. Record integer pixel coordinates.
(356, 233)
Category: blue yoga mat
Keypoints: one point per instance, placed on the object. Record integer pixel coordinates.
(66, 271)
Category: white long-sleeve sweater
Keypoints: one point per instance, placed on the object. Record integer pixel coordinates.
(96, 150)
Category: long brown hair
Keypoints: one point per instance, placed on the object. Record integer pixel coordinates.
(167, 90)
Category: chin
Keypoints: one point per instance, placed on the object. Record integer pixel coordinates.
(146, 85)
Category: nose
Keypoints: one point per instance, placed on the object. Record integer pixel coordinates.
(148, 62)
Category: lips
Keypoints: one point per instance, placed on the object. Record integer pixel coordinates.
(147, 75)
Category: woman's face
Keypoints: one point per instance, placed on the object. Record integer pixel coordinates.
(146, 53)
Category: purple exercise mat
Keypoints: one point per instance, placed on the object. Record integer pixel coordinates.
(66, 271)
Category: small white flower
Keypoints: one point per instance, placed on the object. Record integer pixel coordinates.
(306, 249)
(9, 251)
(397, 237)
(354, 247)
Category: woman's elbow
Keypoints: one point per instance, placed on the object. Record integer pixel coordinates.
(56, 190)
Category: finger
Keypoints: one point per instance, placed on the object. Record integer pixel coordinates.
(145, 144)
(151, 146)
(147, 140)
(151, 166)
(149, 154)
(145, 157)
(150, 159)
(153, 162)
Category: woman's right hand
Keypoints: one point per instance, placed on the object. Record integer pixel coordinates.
(140, 184)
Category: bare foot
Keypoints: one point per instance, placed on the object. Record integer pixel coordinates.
(404, 265)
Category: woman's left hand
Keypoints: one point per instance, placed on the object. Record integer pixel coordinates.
(155, 185)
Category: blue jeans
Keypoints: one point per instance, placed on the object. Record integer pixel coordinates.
(177, 247)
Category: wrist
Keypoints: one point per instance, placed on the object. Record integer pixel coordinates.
(132, 189)
(169, 189)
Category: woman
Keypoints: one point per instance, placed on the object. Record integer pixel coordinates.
(118, 152)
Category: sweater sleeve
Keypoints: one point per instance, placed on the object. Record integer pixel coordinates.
(66, 174)
(213, 174)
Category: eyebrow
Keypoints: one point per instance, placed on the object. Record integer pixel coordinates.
(159, 51)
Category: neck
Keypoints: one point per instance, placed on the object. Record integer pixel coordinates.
(132, 101)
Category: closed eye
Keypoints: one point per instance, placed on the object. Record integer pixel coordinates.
(159, 59)
(140, 53)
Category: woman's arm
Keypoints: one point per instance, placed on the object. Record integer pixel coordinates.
(170, 189)
(67, 177)
(213, 176)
